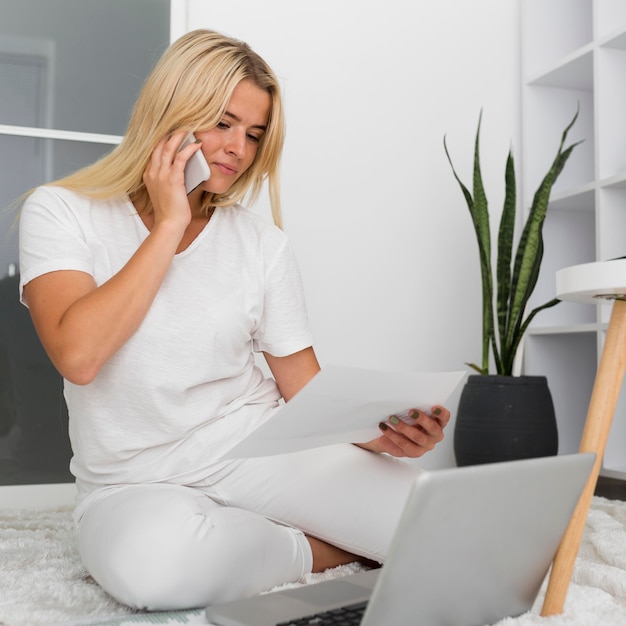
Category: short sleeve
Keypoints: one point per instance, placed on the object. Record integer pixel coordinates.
(50, 236)
(284, 327)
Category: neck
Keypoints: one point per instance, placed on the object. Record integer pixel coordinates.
(142, 204)
(195, 202)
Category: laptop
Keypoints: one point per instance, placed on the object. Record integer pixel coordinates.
(473, 546)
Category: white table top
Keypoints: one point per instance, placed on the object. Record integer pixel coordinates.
(592, 282)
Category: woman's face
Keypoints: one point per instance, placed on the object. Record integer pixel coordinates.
(231, 146)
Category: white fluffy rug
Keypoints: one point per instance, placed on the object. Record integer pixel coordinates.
(42, 581)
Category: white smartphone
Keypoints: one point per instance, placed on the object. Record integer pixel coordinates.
(197, 169)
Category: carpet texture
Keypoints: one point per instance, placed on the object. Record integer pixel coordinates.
(43, 583)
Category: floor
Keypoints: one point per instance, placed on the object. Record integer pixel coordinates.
(611, 488)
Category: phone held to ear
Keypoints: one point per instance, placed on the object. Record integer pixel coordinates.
(197, 169)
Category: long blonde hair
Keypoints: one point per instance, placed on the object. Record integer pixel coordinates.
(189, 89)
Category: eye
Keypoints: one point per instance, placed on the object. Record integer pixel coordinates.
(223, 125)
(254, 138)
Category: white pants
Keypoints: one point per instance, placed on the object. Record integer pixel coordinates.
(240, 532)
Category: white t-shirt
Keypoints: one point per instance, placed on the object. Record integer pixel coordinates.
(184, 388)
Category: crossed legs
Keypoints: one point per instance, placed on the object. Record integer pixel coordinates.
(264, 523)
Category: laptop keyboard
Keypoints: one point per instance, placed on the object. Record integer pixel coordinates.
(345, 616)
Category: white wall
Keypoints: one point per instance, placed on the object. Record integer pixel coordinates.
(381, 231)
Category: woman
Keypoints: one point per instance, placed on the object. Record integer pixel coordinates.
(151, 304)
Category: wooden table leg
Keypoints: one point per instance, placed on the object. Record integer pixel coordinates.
(604, 397)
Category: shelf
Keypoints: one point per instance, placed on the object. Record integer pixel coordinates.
(571, 20)
(568, 361)
(571, 329)
(618, 181)
(574, 55)
(581, 199)
(609, 19)
(610, 78)
(611, 222)
(617, 41)
(546, 113)
(573, 72)
(579, 246)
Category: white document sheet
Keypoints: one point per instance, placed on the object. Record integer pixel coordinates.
(345, 405)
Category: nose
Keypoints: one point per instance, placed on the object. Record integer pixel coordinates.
(236, 143)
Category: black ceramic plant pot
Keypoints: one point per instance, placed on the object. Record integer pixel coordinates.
(504, 418)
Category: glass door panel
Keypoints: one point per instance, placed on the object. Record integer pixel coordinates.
(66, 67)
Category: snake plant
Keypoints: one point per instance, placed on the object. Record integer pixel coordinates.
(515, 285)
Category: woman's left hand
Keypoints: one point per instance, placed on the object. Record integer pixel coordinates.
(414, 439)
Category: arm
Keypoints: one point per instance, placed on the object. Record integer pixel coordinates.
(294, 371)
(397, 438)
(81, 325)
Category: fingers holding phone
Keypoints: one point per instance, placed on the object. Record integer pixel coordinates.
(197, 169)
(166, 176)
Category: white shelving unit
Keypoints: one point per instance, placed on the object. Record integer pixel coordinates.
(574, 56)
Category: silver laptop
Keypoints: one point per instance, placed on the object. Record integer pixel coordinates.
(473, 546)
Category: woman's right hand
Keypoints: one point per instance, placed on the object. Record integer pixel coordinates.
(164, 178)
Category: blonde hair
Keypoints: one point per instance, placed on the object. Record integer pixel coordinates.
(189, 89)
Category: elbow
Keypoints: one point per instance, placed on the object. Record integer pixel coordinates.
(77, 369)
(79, 377)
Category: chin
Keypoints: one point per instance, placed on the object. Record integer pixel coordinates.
(214, 187)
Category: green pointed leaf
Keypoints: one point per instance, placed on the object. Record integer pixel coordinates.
(514, 288)
(505, 248)
(478, 208)
(512, 340)
(483, 227)
(508, 366)
(530, 249)
(477, 369)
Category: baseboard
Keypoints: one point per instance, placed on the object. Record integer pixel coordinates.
(37, 496)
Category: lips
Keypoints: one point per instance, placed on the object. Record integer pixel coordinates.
(228, 170)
